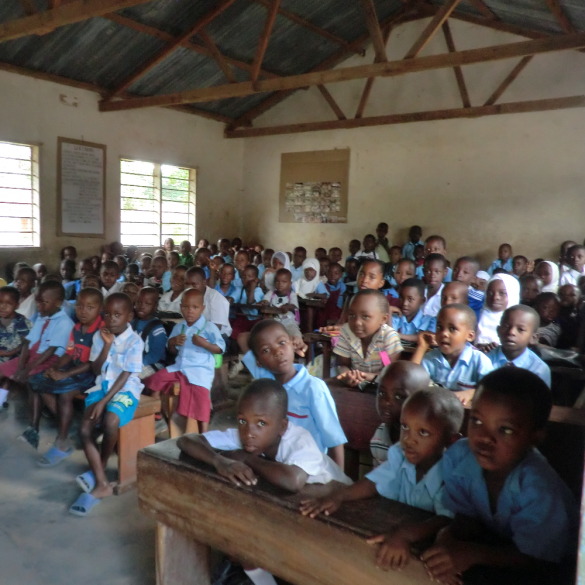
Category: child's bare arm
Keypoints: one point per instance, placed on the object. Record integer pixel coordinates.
(343, 364)
(57, 373)
(410, 338)
(318, 296)
(424, 342)
(21, 375)
(23, 355)
(337, 453)
(204, 344)
(11, 352)
(108, 339)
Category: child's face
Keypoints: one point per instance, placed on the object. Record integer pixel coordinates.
(516, 331)
(85, 268)
(248, 276)
(564, 249)
(216, 263)
(7, 306)
(108, 276)
(87, 308)
(569, 295)
(435, 272)
(203, 244)
(260, 424)
(95, 262)
(299, 256)
(91, 280)
(548, 311)
(545, 273)
(41, 270)
(145, 263)
(415, 235)
(497, 296)
(529, 289)
(196, 281)
(370, 276)
(168, 245)
(121, 263)
(403, 271)
(464, 272)
(324, 264)
(267, 258)
(335, 255)
(282, 283)
(274, 350)
(500, 431)
(577, 259)
(419, 252)
(241, 260)
(277, 264)
(334, 274)
(146, 304)
(186, 248)
(354, 247)
(223, 246)
(159, 267)
(226, 274)
(105, 257)
(351, 270)
(452, 293)
(202, 258)
(130, 275)
(178, 282)
(382, 231)
(369, 244)
(65, 271)
(320, 253)
(310, 273)
(395, 255)
(23, 282)
(435, 247)
(504, 252)
(365, 317)
(69, 254)
(131, 290)
(173, 261)
(390, 399)
(453, 332)
(117, 315)
(410, 301)
(48, 303)
(519, 266)
(192, 307)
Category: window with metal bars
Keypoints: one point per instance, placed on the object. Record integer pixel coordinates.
(19, 195)
(157, 202)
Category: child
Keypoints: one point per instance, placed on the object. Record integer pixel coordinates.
(194, 341)
(109, 274)
(414, 235)
(366, 342)
(41, 271)
(454, 293)
(122, 264)
(419, 254)
(309, 285)
(404, 269)
(43, 346)
(151, 331)
(519, 266)
(435, 271)
(159, 275)
(335, 255)
(72, 374)
(226, 286)
(241, 260)
(68, 253)
(395, 255)
(569, 321)
(466, 270)
(530, 288)
(455, 364)
(145, 264)
(85, 267)
(132, 255)
(186, 258)
(128, 288)
(396, 383)
(265, 445)
(116, 356)
(324, 264)
(279, 260)
(170, 302)
(96, 262)
(548, 272)
(335, 291)
(576, 263)
(174, 260)
(224, 250)
(503, 291)
(382, 243)
(24, 283)
(169, 245)
(354, 249)
(517, 331)
(548, 307)
(481, 280)
(203, 243)
(132, 275)
(503, 261)
(430, 422)
(249, 294)
(266, 261)
(369, 250)
(412, 320)
(498, 485)
(435, 245)
(310, 404)
(350, 277)
(285, 299)
(67, 271)
(297, 269)
(320, 253)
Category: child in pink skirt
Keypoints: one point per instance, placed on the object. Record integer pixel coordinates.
(195, 341)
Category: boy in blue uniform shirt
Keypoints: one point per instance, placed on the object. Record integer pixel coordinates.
(466, 269)
(517, 330)
(435, 245)
(515, 519)
(412, 320)
(504, 260)
(311, 405)
(415, 234)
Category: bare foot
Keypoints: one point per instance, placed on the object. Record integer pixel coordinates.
(102, 491)
(63, 445)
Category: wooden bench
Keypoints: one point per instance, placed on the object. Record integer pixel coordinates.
(196, 509)
(308, 309)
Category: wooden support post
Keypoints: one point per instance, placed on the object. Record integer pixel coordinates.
(217, 55)
(481, 6)
(556, 8)
(264, 38)
(374, 28)
(457, 70)
(508, 80)
(331, 101)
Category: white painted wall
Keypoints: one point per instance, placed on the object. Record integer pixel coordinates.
(30, 112)
(478, 182)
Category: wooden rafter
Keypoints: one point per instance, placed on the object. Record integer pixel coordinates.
(44, 22)
(28, 7)
(508, 80)
(555, 7)
(457, 70)
(481, 6)
(264, 38)
(310, 26)
(450, 114)
(217, 55)
(331, 101)
(54, 4)
(441, 15)
(388, 69)
(375, 31)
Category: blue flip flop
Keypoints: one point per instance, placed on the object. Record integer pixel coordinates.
(53, 457)
(83, 505)
(86, 481)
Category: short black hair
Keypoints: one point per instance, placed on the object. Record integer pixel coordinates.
(192, 291)
(414, 283)
(500, 270)
(469, 259)
(149, 290)
(122, 298)
(300, 249)
(365, 261)
(519, 257)
(282, 272)
(54, 286)
(526, 277)
(379, 296)
(228, 265)
(133, 268)
(90, 291)
(110, 264)
(444, 406)
(12, 291)
(257, 330)
(440, 238)
(69, 264)
(123, 258)
(371, 236)
(415, 227)
(526, 310)
(468, 313)
(174, 253)
(418, 247)
(196, 270)
(252, 267)
(546, 296)
(523, 386)
(265, 388)
(575, 248)
(335, 265)
(26, 270)
(436, 258)
(409, 261)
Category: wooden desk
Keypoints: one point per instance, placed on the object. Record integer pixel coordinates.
(196, 509)
(325, 340)
(309, 306)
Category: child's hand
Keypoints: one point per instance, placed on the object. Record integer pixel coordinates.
(487, 347)
(425, 339)
(395, 310)
(107, 337)
(57, 375)
(299, 346)
(447, 561)
(353, 378)
(326, 505)
(263, 303)
(3, 352)
(20, 376)
(180, 339)
(199, 341)
(393, 553)
(95, 410)
(230, 300)
(465, 396)
(330, 328)
(236, 471)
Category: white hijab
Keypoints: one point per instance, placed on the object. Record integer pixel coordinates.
(487, 328)
(554, 283)
(304, 287)
(269, 278)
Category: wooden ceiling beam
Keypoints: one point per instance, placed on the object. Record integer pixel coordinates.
(264, 39)
(388, 69)
(373, 25)
(28, 7)
(508, 80)
(448, 114)
(556, 8)
(217, 55)
(441, 15)
(44, 22)
(164, 53)
(331, 101)
(481, 6)
(457, 70)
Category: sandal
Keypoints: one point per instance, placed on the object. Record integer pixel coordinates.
(86, 481)
(30, 436)
(53, 457)
(83, 505)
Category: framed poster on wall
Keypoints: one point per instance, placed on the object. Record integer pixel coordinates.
(314, 186)
(81, 188)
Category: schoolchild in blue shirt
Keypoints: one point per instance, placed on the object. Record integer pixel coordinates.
(84, 268)
(333, 293)
(241, 260)
(515, 519)
(465, 271)
(414, 234)
(435, 245)
(67, 271)
(453, 293)
(266, 261)
(430, 422)
(411, 320)
(517, 330)
(504, 260)
(250, 294)
(455, 364)
(296, 267)
(227, 287)
(311, 405)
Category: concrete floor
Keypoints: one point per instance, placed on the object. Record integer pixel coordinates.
(41, 543)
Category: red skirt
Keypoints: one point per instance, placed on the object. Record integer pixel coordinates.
(241, 324)
(10, 367)
(194, 401)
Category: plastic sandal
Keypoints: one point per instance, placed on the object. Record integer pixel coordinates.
(83, 505)
(53, 457)
(86, 481)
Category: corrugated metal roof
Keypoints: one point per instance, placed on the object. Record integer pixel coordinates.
(106, 53)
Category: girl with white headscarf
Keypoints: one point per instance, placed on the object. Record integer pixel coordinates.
(304, 285)
(494, 305)
(548, 272)
(279, 260)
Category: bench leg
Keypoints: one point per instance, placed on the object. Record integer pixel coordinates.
(180, 560)
(219, 388)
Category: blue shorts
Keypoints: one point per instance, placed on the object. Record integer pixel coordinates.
(123, 404)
